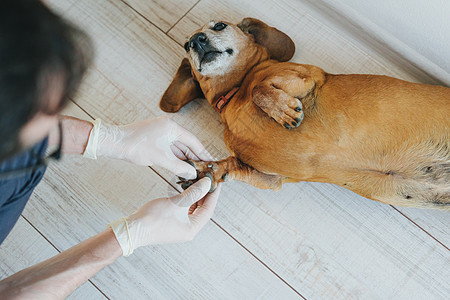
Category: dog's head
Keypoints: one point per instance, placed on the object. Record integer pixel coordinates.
(219, 56)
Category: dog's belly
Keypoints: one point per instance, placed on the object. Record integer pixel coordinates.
(381, 144)
(260, 142)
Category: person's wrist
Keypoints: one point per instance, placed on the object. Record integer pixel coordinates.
(84, 130)
(121, 231)
(105, 141)
(91, 148)
(112, 142)
(113, 243)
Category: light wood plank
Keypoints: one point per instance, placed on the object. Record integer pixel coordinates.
(130, 75)
(81, 196)
(25, 247)
(151, 55)
(162, 13)
(437, 223)
(331, 243)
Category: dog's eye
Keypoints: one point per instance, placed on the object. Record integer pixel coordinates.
(219, 27)
(186, 46)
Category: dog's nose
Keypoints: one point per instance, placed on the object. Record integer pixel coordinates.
(198, 40)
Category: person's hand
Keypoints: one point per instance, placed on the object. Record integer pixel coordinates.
(159, 142)
(168, 220)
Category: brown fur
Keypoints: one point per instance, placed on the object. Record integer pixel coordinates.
(381, 137)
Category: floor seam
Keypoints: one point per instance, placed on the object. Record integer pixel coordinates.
(398, 211)
(77, 105)
(429, 234)
(167, 32)
(153, 24)
(257, 258)
(59, 251)
(144, 17)
(239, 243)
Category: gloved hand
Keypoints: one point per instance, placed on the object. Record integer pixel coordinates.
(159, 142)
(167, 220)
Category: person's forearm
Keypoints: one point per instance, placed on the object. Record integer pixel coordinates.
(75, 135)
(60, 275)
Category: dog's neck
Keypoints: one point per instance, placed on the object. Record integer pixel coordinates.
(215, 86)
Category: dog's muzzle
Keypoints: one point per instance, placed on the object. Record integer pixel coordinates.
(199, 42)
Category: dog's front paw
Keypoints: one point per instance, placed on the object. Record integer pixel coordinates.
(283, 108)
(290, 114)
(215, 171)
(287, 111)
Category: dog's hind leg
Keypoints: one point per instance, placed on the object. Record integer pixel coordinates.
(232, 168)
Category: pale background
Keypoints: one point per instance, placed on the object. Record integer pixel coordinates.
(415, 29)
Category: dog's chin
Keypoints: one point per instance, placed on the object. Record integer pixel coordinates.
(209, 62)
(213, 62)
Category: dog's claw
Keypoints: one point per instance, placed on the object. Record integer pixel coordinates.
(225, 177)
(186, 184)
(287, 126)
(212, 166)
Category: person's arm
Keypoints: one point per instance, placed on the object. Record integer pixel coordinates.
(75, 135)
(60, 275)
(165, 220)
(160, 142)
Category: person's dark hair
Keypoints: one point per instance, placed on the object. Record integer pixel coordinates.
(36, 47)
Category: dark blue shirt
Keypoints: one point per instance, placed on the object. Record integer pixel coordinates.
(15, 192)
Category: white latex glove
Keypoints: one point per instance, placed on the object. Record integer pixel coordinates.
(167, 220)
(159, 142)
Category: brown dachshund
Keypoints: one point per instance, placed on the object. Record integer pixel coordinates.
(381, 137)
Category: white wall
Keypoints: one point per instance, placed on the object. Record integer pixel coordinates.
(417, 30)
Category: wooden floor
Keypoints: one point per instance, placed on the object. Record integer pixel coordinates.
(313, 241)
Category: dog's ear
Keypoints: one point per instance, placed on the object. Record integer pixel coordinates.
(182, 90)
(278, 44)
